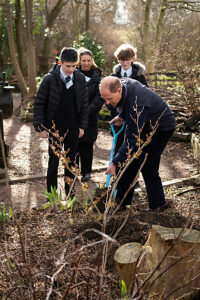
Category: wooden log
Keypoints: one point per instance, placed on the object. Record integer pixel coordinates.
(130, 259)
(125, 260)
(180, 266)
(169, 262)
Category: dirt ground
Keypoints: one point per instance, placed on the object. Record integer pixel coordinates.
(55, 238)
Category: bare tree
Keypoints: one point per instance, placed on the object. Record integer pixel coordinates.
(87, 15)
(30, 48)
(19, 36)
(153, 26)
(50, 20)
(21, 81)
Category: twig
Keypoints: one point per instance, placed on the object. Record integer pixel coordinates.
(189, 190)
(6, 171)
(72, 278)
(30, 275)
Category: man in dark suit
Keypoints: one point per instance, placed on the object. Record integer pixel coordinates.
(143, 111)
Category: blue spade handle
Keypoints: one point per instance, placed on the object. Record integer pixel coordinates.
(115, 137)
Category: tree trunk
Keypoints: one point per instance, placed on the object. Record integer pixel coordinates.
(46, 50)
(146, 32)
(87, 15)
(19, 38)
(31, 48)
(20, 78)
(157, 38)
(167, 267)
(76, 16)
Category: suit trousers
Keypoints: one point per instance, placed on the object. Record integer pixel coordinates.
(150, 172)
(70, 143)
(86, 156)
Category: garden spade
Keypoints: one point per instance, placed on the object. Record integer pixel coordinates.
(115, 137)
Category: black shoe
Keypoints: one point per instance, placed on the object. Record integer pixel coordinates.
(85, 177)
(159, 209)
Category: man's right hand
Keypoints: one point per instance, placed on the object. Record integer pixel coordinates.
(43, 134)
(117, 121)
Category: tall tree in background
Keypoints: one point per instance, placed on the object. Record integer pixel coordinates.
(31, 48)
(22, 84)
(19, 36)
(77, 9)
(87, 15)
(29, 90)
(50, 20)
(154, 26)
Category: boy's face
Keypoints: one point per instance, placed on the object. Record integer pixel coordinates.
(68, 67)
(126, 64)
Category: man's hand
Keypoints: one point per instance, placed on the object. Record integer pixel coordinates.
(111, 170)
(117, 121)
(81, 132)
(43, 134)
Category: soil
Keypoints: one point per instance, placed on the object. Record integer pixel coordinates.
(69, 242)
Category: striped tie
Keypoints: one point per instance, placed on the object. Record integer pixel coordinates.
(67, 79)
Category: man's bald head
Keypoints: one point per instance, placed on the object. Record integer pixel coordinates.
(110, 83)
(111, 90)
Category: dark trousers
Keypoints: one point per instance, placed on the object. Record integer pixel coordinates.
(70, 142)
(85, 151)
(150, 172)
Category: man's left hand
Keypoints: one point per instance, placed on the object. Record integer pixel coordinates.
(81, 132)
(111, 170)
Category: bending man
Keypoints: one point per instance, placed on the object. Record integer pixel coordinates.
(141, 108)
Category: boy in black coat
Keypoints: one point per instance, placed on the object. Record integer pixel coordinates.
(141, 108)
(63, 99)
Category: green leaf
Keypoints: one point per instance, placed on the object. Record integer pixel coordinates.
(11, 263)
(10, 212)
(123, 290)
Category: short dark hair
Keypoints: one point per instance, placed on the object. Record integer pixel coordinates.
(68, 55)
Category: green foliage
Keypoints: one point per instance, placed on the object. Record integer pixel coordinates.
(71, 202)
(124, 294)
(87, 41)
(38, 14)
(4, 48)
(105, 115)
(55, 199)
(9, 70)
(4, 215)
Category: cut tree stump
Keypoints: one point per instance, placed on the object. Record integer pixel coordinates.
(169, 262)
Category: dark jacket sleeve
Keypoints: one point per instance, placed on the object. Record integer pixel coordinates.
(40, 105)
(142, 79)
(82, 100)
(131, 134)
